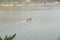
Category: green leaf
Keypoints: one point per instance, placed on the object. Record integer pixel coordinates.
(6, 37)
(0, 38)
(11, 37)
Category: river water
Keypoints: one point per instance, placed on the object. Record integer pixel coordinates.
(45, 24)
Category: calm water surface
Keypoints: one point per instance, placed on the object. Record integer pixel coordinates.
(44, 26)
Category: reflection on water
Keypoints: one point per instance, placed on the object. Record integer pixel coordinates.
(44, 26)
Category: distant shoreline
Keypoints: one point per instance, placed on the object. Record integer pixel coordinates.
(25, 4)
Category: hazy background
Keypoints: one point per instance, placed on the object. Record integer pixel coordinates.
(29, 0)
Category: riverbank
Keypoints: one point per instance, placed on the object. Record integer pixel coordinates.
(26, 4)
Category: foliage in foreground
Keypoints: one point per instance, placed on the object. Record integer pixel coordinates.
(8, 37)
